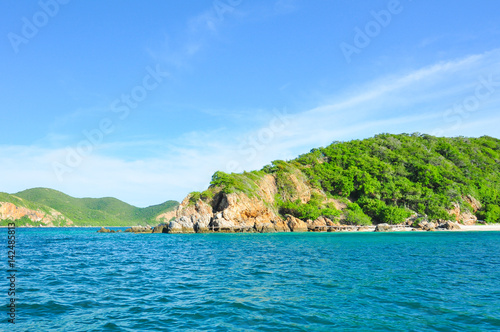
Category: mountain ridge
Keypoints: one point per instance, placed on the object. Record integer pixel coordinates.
(37, 203)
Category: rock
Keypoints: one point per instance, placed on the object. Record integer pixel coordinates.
(281, 226)
(474, 203)
(410, 221)
(265, 227)
(318, 225)
(427, 226)
(105, 230)
(181, 225)
(449, 225)
(364, 229)
(463, 215)
(221, 224)
(9, 211)
(139, 229)
(166, 217)
(383, 228)
(161, 228)
(295, 224)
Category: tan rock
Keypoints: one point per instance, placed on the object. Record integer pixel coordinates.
(13, 212)
(295, 224)
(318, 225)
(464, 215)
(383, 228)
(166, 217)
(139, 229)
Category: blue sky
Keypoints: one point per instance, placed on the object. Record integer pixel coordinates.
(144, 101)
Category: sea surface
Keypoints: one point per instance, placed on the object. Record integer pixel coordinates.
(80, 280)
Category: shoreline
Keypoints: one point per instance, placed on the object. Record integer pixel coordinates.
(463, 228)
(479, 228)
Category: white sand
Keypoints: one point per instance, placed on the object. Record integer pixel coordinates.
(475, 228)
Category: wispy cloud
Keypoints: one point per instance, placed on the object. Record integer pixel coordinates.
(415, 101)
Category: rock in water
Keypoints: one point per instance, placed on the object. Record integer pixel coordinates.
(139, 229)
(161, 228)
(105, 230)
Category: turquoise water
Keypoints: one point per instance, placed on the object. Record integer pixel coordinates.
(80, 280)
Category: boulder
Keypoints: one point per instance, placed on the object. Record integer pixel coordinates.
(449, 225)
(383, 228)
(427, 226)
(161, 228)
(295, 224)
(181, 225)
(463, 215)
(319, 225)
(105, 230)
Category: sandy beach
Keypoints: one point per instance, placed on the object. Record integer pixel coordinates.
(475, 228)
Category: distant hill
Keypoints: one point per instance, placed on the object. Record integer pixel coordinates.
(105, 211)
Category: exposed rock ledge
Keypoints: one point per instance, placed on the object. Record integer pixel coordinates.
(234, 212)
(9, 211)
(238, 212)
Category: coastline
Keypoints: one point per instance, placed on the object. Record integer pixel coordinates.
(369, 229)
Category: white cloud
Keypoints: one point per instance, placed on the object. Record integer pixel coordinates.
(412, 102)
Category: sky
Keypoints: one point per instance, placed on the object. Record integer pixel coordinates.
(145, 100)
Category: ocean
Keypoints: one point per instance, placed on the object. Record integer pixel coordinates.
(74, 279)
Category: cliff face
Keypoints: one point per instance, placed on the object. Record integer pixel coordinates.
(9, 211)
(239, 212)
(233, 212)
(462, 214)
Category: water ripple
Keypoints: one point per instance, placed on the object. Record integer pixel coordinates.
(79, 280)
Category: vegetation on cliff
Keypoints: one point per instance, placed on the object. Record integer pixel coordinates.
(387, 178)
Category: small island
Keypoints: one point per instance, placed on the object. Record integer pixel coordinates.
(385, 183)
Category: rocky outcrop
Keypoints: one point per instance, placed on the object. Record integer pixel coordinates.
(139, 229)
(383, 228)
(462, 215)
(166, 217)
(105, 230)
(448, 225)
(295, 224)
(9, 211)
(161, 228)
(234, 212)
(426, 226)
(321, 224)
(191, 217)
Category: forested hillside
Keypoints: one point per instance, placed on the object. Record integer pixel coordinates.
(386, 178)
(106, 211)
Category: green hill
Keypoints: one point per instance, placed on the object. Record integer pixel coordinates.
(106, 211)
(386, 178)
